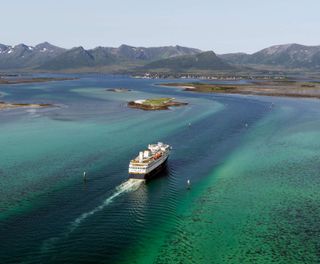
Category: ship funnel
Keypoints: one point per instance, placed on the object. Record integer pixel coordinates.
(140, 156)
(146, 154)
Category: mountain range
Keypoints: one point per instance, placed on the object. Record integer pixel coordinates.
(47, 57)
(203, 61)
(288, 56)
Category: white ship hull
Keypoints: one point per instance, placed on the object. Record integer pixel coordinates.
(145, 168)
(150, 174)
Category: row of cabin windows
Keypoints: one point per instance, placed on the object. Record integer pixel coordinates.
(136, 168)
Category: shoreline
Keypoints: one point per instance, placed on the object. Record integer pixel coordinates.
(32, 80)
(155, 104)
(7, 106)
(293, 90)
(118, 90)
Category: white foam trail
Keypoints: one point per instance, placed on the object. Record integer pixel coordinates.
(128, 186)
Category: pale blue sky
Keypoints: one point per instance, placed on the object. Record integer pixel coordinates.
(222, 26)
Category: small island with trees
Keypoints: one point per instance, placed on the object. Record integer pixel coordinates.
(155, 103)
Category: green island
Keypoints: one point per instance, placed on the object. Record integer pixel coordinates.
(4, 105)
(155, 103)
(289, 88)
(4, 80)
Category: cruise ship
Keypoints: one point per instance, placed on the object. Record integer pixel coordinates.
(149, 161)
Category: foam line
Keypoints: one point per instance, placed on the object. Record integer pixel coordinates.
(128, 186)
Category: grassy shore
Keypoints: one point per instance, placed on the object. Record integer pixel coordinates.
(4, 105)
(31, 80)
(266, 88)
(155, 103)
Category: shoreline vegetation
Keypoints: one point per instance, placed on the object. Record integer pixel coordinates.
(283, 88)
(155, 104)
(4, 105)
(4, 80)
(219, 76)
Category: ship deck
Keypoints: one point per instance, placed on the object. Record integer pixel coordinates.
(144, 162)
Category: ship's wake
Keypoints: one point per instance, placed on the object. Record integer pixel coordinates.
(127, 186)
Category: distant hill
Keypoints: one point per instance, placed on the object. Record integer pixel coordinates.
(153, 53)
(47, 57)
(104, 56)
(74, 58)
(289, 56)
(125, 56)
(235, 58)
(207, 61)
(23, 56)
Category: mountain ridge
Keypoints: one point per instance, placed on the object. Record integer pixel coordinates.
(290, 56)
(47, 57)
(204, 61)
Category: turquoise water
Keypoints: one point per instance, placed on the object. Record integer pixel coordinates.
(254, 195)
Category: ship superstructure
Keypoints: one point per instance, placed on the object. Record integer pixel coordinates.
(149, 161)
